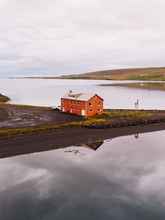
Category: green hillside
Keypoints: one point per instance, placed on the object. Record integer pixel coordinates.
(156, 74)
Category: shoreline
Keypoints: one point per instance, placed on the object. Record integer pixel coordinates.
(33, 143)
(18, 120)
(153, 86)
(28, 129)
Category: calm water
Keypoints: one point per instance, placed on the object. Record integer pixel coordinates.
(48, 92)
(122, 180)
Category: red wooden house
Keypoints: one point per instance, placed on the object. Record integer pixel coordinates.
(83, 104)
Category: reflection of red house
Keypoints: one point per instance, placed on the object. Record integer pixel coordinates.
(82, 104)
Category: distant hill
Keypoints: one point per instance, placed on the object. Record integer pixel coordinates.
(154, 73)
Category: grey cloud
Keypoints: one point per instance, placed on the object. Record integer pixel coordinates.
(80, 35)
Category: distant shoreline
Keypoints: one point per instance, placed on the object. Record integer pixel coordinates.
(141, 74)
(159, 86)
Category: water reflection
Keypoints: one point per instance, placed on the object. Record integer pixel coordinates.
(93, 145)
(123, 179)
(92, 139)
(137, 135)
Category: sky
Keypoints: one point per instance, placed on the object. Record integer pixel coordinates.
(53, 37)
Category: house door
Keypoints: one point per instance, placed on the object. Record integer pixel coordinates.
(83, 112)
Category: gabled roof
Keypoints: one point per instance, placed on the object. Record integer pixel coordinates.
(79, 96)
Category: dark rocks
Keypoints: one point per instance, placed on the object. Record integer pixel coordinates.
(4, 98)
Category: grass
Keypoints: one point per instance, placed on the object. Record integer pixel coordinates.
(111, 114)
(9, 132)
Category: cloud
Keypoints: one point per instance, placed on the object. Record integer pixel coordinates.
(61, 36)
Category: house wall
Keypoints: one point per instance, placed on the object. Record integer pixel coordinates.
(94, 106)
(88, 108)
(72, 106)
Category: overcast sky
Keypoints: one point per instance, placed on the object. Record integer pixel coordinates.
(72, 36)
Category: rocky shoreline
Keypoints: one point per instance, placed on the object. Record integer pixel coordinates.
(3, 98)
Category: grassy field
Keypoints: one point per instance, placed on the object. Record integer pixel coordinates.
(144, 85)
(155, 74)
(111, 116)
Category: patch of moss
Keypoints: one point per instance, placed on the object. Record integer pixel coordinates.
(133, 114)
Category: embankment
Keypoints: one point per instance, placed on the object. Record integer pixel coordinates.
(61, 138)
(28, 129)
